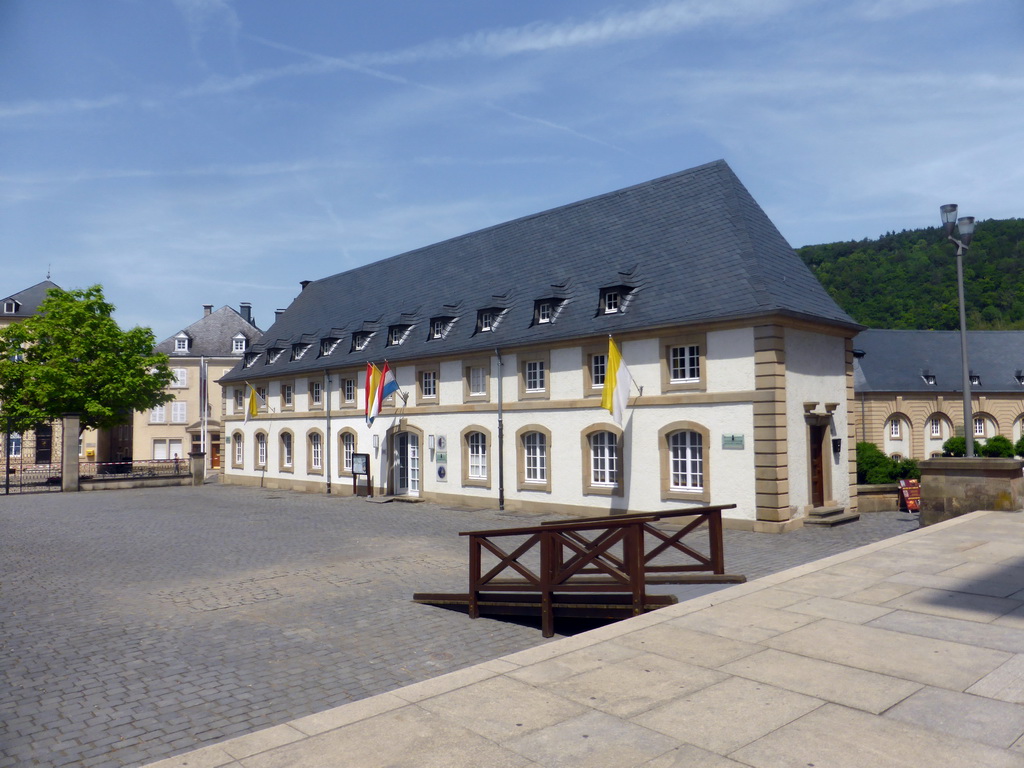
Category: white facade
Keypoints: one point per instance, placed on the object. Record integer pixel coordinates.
(437, 462)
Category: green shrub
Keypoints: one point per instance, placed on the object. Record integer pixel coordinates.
(1018, 447)
(874, 467)
(957, 446)
(997, 447)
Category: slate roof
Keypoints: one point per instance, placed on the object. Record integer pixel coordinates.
(692, 247)
(896, 361)
(28, 300)
(213, 335)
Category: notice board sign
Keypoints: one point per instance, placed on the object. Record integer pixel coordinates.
(910, 494)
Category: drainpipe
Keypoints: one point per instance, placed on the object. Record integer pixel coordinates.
(501, 437)
(327, 431)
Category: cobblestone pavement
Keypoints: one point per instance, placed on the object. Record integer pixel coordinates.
(140, 624)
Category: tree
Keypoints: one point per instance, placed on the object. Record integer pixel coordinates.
(72, 357)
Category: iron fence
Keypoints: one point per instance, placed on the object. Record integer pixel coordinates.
(90, 470)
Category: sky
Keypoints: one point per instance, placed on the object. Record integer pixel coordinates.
(190, 152)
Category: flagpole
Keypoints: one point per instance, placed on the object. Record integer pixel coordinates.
(204, 398)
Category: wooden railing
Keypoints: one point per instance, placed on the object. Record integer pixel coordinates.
(592, 567)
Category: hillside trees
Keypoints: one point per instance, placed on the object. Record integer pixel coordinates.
(908, 280)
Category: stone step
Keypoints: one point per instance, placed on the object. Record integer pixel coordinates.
(826, 511)
(831, 519)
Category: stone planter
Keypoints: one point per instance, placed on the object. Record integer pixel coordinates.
(951, 487)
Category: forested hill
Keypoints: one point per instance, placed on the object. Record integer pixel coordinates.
(908, 280)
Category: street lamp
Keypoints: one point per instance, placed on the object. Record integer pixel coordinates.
(965, 229)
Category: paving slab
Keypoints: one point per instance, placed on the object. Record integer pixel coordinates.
(1005, 683)
(840, 610)
(967, 716)
(857, 688)
(979, 634)
(932, 662)
(836, 737)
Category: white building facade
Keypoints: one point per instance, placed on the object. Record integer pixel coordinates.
(742, 390)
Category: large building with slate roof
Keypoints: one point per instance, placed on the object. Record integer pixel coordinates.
(217, 340)
(910, 388)
(499, 340)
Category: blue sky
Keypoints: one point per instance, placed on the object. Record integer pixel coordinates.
(190, 152)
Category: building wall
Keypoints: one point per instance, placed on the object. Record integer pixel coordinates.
(149, 430)
(725, 406)
(1002, 414)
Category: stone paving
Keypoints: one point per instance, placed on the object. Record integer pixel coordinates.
(146, 623)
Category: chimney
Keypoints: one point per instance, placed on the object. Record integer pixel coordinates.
(245, 310)
(304, 283)
(207, 309)
(277, 314)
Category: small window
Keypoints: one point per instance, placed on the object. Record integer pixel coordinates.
(686, 461)
(239, 395)
(298, 350)
(604, 459)
(273, 354)
(348, 448)
(439, 327)
(598, 366)
(360, 341)
(180, 378)
(238, 344)
(487, 320)
(261, 450)
(250, 359)
(287, 396)
(157, 414)
(897, 457)
(979, 427)
(684, 363)
(428, 384)
(477, 455)
(936, 426)
(328, 345)
(179, 412)
(316, 392)
(10, 308)
(929, 378)
(14, 445)
(477, 380)
(261, 398)
(535, 378)
(975, 380)
(544, 312)
(348, 386)
(894, 429)
(397, 334)
(239, 443)
(181, 344)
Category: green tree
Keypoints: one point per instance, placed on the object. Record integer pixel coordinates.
(997, 446)
(72, 357)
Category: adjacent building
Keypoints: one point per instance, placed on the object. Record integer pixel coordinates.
(199, 355)
(499, 340)
(909, 388)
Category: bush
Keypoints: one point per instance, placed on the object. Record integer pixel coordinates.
(874, 467)
(997, 447)
(957, 446)
(1018, 447)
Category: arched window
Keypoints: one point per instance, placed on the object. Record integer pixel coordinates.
(604, 465)
(239, 453)
(347, 443)
(261, 449)
(477, 455)
(316, 452)
(686, 460)
(535, 457)
(476, 459)
(286, 450)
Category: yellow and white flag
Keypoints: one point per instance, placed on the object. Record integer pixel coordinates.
(617, 383)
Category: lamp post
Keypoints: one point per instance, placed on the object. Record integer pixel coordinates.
(964, 227)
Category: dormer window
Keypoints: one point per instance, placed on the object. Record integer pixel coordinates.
(298, 350)
(10, 307)
(397, 334)
(328, 345)
(975, 380)
(1019, 376)
(182, 343)
(615, 299)
(928, 378)
(250, 359)
(487, 320)
(544, 312)
(238, 344)
(273, 354)
(439, 326)
(360, 340)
